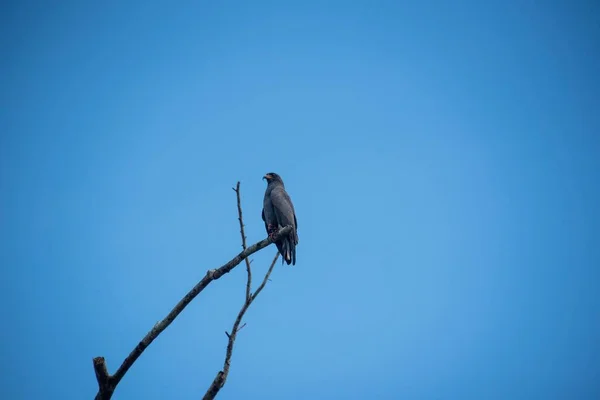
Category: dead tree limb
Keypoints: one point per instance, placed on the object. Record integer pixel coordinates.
(241, 219)
(221, 377)
(107, 383)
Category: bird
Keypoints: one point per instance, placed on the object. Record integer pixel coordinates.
(278, 212)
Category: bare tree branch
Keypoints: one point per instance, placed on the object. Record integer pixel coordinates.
(239, 207)
(102, 376)
(107, 383)
(221, 377)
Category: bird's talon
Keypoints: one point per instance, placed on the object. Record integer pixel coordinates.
(272, 230)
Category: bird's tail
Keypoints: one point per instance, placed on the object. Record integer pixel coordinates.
(288, 249)
(281, 246)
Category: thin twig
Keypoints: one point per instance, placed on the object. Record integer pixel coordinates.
(107, 383)
(264, 282)
(221, 377)
(239, 207)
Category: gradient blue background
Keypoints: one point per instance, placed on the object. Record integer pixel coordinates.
(443, 159)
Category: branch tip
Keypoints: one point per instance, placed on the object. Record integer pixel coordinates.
(101, 370)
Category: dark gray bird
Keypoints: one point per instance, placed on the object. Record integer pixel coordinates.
(278, 212)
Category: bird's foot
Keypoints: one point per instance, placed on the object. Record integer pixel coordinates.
(272, 230)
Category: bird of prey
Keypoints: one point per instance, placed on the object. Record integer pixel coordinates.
(278, 212)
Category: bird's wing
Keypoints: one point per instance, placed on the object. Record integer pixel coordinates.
(285, 214)
(263, 218)
(284, 209)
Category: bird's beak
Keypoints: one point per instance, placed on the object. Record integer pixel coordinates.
(267, 176)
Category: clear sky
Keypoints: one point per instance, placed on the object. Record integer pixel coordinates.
(443, 159)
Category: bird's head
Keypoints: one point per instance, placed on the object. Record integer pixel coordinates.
(272, 177)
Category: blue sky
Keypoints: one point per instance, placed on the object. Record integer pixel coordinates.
(442, 159)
